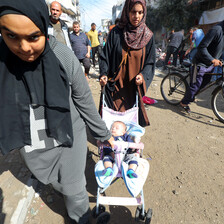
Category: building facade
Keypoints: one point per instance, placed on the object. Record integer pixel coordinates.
(117, 9)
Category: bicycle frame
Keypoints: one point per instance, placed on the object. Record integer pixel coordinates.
(221, 79)
(210, 84)
(178, 70)
(217, 81)
(175, 84)
(178, 84)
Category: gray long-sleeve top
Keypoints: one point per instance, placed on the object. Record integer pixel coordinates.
(176, 39)
(82, 105)
(47, 160)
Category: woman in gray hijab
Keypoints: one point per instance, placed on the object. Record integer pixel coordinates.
(45, 103)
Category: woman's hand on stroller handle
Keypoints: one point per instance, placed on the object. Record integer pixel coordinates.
(138, 79)
(103, 80)
(107, 143)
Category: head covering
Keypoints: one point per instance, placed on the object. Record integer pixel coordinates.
(42, 83)
(135, 37)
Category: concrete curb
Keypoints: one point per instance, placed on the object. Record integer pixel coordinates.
(20, 212)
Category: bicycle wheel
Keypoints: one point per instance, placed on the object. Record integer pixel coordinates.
(218, 103)
(173, 88)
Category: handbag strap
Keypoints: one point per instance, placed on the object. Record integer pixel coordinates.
(123, 61)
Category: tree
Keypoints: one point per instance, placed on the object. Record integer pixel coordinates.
(177, 14)
(152, 20)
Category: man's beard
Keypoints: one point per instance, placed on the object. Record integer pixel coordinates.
(55, 17)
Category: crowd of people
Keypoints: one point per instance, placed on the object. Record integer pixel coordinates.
(85, 45)
(182, 46)
(204, 52)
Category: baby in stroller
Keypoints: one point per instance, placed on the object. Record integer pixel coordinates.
(118, 130)
(123, 161)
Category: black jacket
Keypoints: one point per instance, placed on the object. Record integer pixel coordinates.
(211, 47)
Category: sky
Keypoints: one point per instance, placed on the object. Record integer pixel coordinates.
(92, 11)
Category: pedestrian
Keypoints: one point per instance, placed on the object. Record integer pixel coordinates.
(173, 47)
(45, 103)
(115, 23)
(169, 35)
(93, 36)
(185, 45)
(127, 63)
(207, 57)
(58, 27)
(101, 41)
(81, 47)
(196, 39)
(188, 42)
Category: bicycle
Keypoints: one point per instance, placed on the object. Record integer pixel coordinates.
(175, 84)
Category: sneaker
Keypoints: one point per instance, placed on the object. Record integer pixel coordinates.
(131, 173)
(108, 172)
(186, 108)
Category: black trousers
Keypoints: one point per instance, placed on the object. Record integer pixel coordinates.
(174, 51)
(181, 56)
(86, 64)
(94, 51)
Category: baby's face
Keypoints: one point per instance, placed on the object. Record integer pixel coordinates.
(118, 129)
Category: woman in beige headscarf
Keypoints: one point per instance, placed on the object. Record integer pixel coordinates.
(128, 60)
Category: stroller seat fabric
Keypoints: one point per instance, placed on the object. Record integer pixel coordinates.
(104, 181)
(135, 185)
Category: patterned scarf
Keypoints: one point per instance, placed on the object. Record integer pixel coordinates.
(135, 37)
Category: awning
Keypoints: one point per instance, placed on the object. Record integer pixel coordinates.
(213, 16)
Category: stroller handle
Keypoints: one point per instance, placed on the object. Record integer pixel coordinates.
(104, 102)
(121, 146)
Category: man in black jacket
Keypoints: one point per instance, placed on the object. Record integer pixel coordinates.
(207, 57)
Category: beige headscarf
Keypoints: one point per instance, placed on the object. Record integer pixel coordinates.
(135, 37)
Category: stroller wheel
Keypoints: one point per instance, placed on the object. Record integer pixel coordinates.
(103, 218)
(148, 216)
(138, 214)
(101, 210)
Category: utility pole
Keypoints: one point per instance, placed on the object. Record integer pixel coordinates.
(84, 27)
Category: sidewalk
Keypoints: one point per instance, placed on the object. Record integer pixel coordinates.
(16, 191)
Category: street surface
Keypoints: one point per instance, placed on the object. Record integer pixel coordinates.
(185, 182)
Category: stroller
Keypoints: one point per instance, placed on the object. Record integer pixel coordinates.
(134, 185)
